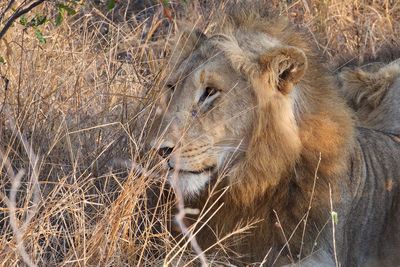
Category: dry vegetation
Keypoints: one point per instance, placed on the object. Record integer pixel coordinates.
(74, 113)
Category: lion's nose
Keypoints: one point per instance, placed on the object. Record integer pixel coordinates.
(165, 151)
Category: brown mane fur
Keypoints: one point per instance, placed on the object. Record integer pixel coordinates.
(277, 172)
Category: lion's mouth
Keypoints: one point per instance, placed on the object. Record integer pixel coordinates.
(209, 169)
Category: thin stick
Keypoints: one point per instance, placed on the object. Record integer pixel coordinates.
(284, 236)
(309, 205)
(12, 206)
(18, 14)
(181, 215)
(10, 3)
(333, 227)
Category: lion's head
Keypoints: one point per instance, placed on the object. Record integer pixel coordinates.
(237, 103)
(206, 112)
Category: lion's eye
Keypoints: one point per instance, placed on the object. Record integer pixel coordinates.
(171, 86)
(208, 92)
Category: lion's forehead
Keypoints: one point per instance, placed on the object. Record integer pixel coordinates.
(211, 59)
(200, 60)
(213, 72)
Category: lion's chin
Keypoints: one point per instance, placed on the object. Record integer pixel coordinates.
(189, 184)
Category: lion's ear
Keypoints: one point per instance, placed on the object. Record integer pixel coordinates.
(187, 42)
(285, 65)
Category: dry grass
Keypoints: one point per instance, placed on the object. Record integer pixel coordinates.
(74, 112)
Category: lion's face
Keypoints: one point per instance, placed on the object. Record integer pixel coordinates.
(205, 113)
(222, 95)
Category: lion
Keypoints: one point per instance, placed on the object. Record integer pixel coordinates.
(253, 128)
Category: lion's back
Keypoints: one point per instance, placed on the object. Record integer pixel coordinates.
(374, 218)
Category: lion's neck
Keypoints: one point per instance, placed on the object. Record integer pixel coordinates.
(281, 213)
(273, 218)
